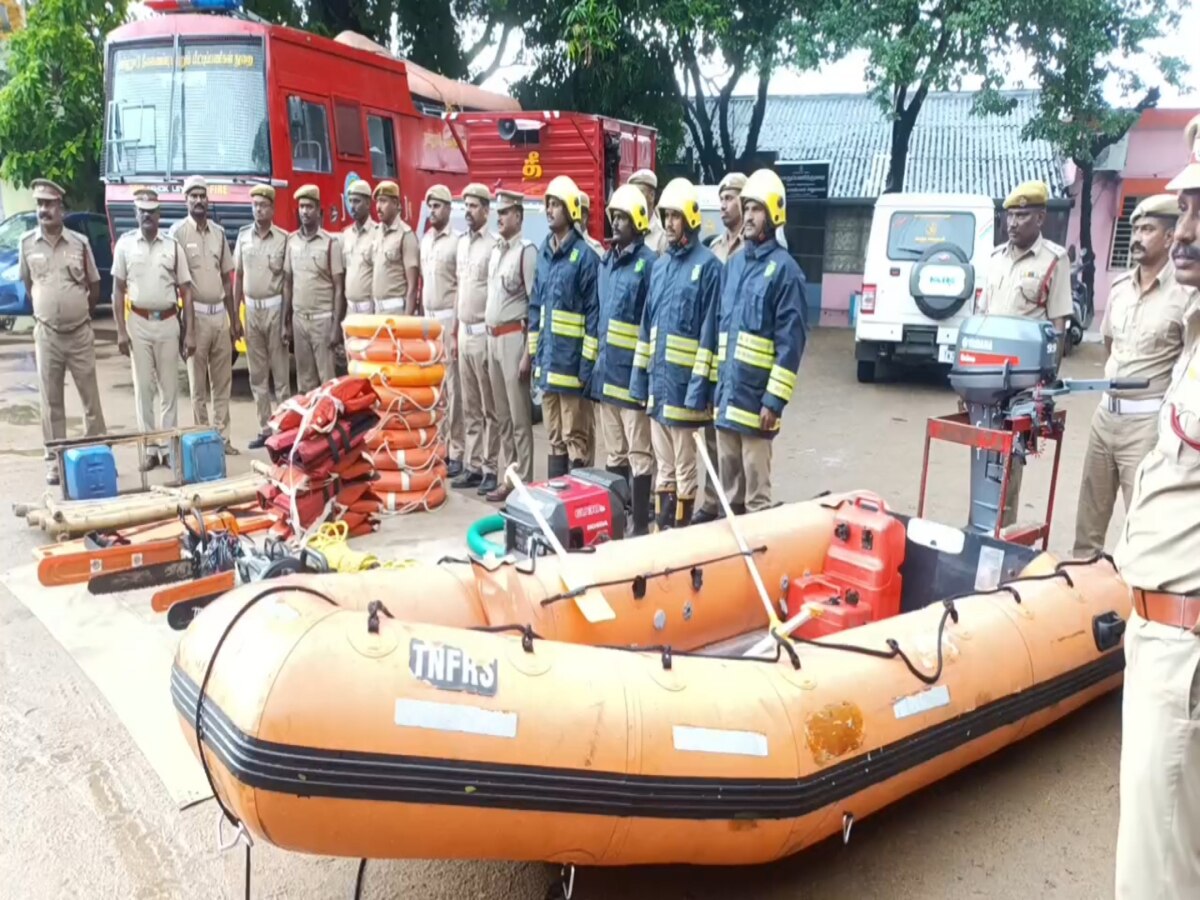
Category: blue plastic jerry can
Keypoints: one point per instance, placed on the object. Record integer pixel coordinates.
(203, 456)
(91, 473)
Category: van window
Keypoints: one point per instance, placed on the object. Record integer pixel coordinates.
(383, 147)
(347, 121)
(912, 233)
(310, 136)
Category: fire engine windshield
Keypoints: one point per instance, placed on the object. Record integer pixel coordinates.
(199, 109)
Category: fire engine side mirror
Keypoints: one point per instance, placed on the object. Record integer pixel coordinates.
(507, 129)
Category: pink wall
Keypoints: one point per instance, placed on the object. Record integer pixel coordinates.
(835, 298)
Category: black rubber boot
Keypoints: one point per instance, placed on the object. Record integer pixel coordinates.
(578, 463)
(683, 512)
(624, 471)
(665, 510)
(641, 505)
(556, 465)
(739, 509)
(706, 515)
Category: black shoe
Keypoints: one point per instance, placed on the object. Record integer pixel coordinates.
(52, 476)
(557, 465)
(665, 508)
(151, 461)
(454, 468)
(641, 505)
(467, 480)
(487, 485)
(705, 515)
(739, 509)
(578, 463)
(259, 441)
(683, 512)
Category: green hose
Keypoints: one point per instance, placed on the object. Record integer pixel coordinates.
(477, 536)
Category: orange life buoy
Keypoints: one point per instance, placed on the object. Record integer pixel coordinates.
(404, 350)
(392, 482)
(402, 439)
(399, 503)
(365, 325)
(387, 459)
(398, 374)
(405, 421)
(406, 400)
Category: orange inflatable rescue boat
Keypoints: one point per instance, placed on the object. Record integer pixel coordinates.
(471, 709)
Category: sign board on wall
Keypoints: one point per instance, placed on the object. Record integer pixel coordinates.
(805, 180)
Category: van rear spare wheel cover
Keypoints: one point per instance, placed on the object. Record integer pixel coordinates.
(941, 281)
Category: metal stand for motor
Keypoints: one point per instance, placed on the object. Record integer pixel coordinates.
(140, 439)
(997, 445)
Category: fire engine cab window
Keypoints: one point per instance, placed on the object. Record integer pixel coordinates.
(912, 233)
(201, 111)
(383, 147)
(310, 136)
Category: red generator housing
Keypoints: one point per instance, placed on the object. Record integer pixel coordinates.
(861, 581)
(522, 151)
(584, 508)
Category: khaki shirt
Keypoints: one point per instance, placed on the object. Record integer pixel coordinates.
(61, 270)
(1146, 330)
(511, 268)
(439, 270)
(395, 253)
(208, 258)
(261, 259)
(593, 243)
(1016, 284)
(656, 238)
(727, 245)
(152, 270)
(474, 254)
(314, 264)
(1159, 548)
(358, 250)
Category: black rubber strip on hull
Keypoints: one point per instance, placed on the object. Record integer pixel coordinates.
(315, 772)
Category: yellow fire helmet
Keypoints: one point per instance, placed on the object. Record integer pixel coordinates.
(564, 189)
(680, 195)
(765, 187)
(629, 199)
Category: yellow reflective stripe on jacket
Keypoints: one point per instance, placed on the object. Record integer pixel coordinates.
(679, 342)
(704, 360)
(682, 414)
(618, 327)
(754, 358)
(533, 342)
(784, 376)
(564, 330)
(722, 343)
(641, 355)
(591, 347)
(618, 393)
(566, 381)
(779, 389)
(680, 358)
(567, 318)
(754, 342)
(745, 417)
(624, 341)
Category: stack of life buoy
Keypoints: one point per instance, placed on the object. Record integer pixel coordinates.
(319, 471)
(405, 359)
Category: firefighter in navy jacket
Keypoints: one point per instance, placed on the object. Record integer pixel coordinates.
(623, 281)
(564, 320)
(685, 289)
(759, 333)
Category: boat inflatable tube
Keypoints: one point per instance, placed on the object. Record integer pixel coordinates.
(483, 717)
(395, 328)
(401, 375)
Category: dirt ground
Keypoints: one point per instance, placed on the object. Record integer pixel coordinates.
(85, 815)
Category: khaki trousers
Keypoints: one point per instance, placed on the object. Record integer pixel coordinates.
(1158, 838)
(675, 452)
(744, 462)
(589, 424)
(314, 356)
(211, 368)
(711, 503)
(267, 357)
(56, 354)
(154, 351)
(481, 433)
(514, 408)
(566, 425)
(1116, 447)
(627, 438)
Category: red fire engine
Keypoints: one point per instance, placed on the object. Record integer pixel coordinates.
(241, 101)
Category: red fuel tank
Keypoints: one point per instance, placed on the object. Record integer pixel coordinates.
(866, 553)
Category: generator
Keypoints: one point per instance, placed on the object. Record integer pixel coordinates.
(584, 508)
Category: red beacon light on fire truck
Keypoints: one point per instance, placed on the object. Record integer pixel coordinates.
(183, 6)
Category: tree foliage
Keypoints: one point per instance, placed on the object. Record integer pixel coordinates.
(52, 108)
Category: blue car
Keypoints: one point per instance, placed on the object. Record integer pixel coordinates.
(93, 226)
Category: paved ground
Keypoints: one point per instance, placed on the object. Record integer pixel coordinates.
(85, 816)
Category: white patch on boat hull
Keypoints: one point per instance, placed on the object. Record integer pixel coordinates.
(719, 740)
(456, 717)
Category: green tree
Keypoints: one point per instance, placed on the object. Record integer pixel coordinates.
(52, 109)
(1082, 51)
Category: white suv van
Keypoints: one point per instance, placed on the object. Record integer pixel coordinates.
(926, 266)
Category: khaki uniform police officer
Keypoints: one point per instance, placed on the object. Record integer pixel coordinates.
(395, 272)
(647, 182)
(439, 300)
(358, 249)
(259, 258)
(1158, 839)
(511, 268)
(314, 300)
(150, 267)
(729, 243)
(1029, 277)
(481, 431)
(1143, 328)
(63, 284)
(217, 328)
(585, 221)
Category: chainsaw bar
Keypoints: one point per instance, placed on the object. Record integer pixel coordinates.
(181, 614)
(208, 587)
(142, 577)
(76, 568)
